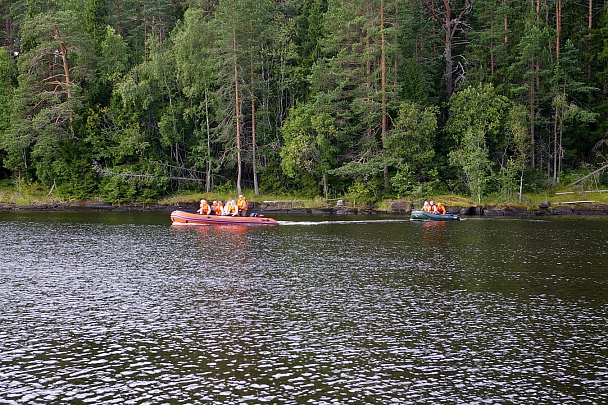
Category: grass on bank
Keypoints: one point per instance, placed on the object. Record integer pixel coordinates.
(531, 201)
(195, 197)
(21, 194)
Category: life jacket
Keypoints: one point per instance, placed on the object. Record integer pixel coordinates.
(205, 208)
(441, 209)
(233, 209)
(242, 204)
(219, 208)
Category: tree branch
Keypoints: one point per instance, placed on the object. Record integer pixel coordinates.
(589, 175)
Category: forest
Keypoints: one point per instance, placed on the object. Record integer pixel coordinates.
(133, 100)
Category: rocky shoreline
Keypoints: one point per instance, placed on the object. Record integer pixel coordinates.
(398, 207)
(405, 208)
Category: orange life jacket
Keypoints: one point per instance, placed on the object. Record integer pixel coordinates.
(242, 204)
(218, 209)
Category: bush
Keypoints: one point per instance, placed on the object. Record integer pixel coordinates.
(604, 179)
(76, 180)
(128, 189)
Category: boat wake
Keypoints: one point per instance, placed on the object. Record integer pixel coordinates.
(369, 221)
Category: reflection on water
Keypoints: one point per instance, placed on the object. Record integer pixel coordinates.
(109, 309)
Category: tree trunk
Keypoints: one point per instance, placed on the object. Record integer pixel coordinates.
(118, 26)
(383, 90)
(492, 44)
(253, 138)
(64, 63)
(506, 24)
(558, 30)
(588, 175)
(208, 128)
(237, 110)
(560, 149)
(532, 122)
(449, 61)
(555, 145)
(450, 27)
(590, 26)
(521, 186)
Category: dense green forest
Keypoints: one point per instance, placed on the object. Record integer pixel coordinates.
(131, 100)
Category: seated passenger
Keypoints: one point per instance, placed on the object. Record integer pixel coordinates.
(426, 207)
(441, 209)
(204, 208)
(243, 205)
(219, 208)
(232, 210)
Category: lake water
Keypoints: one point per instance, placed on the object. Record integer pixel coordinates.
(123, 308)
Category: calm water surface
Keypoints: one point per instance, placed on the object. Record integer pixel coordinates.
(123, 308)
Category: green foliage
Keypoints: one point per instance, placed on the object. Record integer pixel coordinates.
(74, 179)
(132, 144)
(307, 186)
(603, 179)
(7, 87)
(486, 124)
(129, 187)
(308, 139)
(413, 137)
(536, 181)
(330, 100)
(407, 183)
(226, 188)
(114, 56)
(473, 159)
(360, 193)
(482, 108)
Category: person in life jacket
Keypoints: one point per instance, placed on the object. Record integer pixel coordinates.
(214, 207)
(219, 208)
(426, 207)
(432, 207)
(204, 208)
(231, 209)
(441, 209)
(226, 208)
(242, 204)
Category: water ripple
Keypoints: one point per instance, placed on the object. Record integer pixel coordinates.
(366, 313)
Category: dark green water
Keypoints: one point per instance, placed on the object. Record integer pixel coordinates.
(122, 308)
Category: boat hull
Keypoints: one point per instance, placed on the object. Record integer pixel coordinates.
(187, 218)
(419, 215)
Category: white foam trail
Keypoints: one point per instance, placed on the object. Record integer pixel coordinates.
(311, 223)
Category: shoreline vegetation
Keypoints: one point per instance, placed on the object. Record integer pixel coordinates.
(556, 202)
(128, 101)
